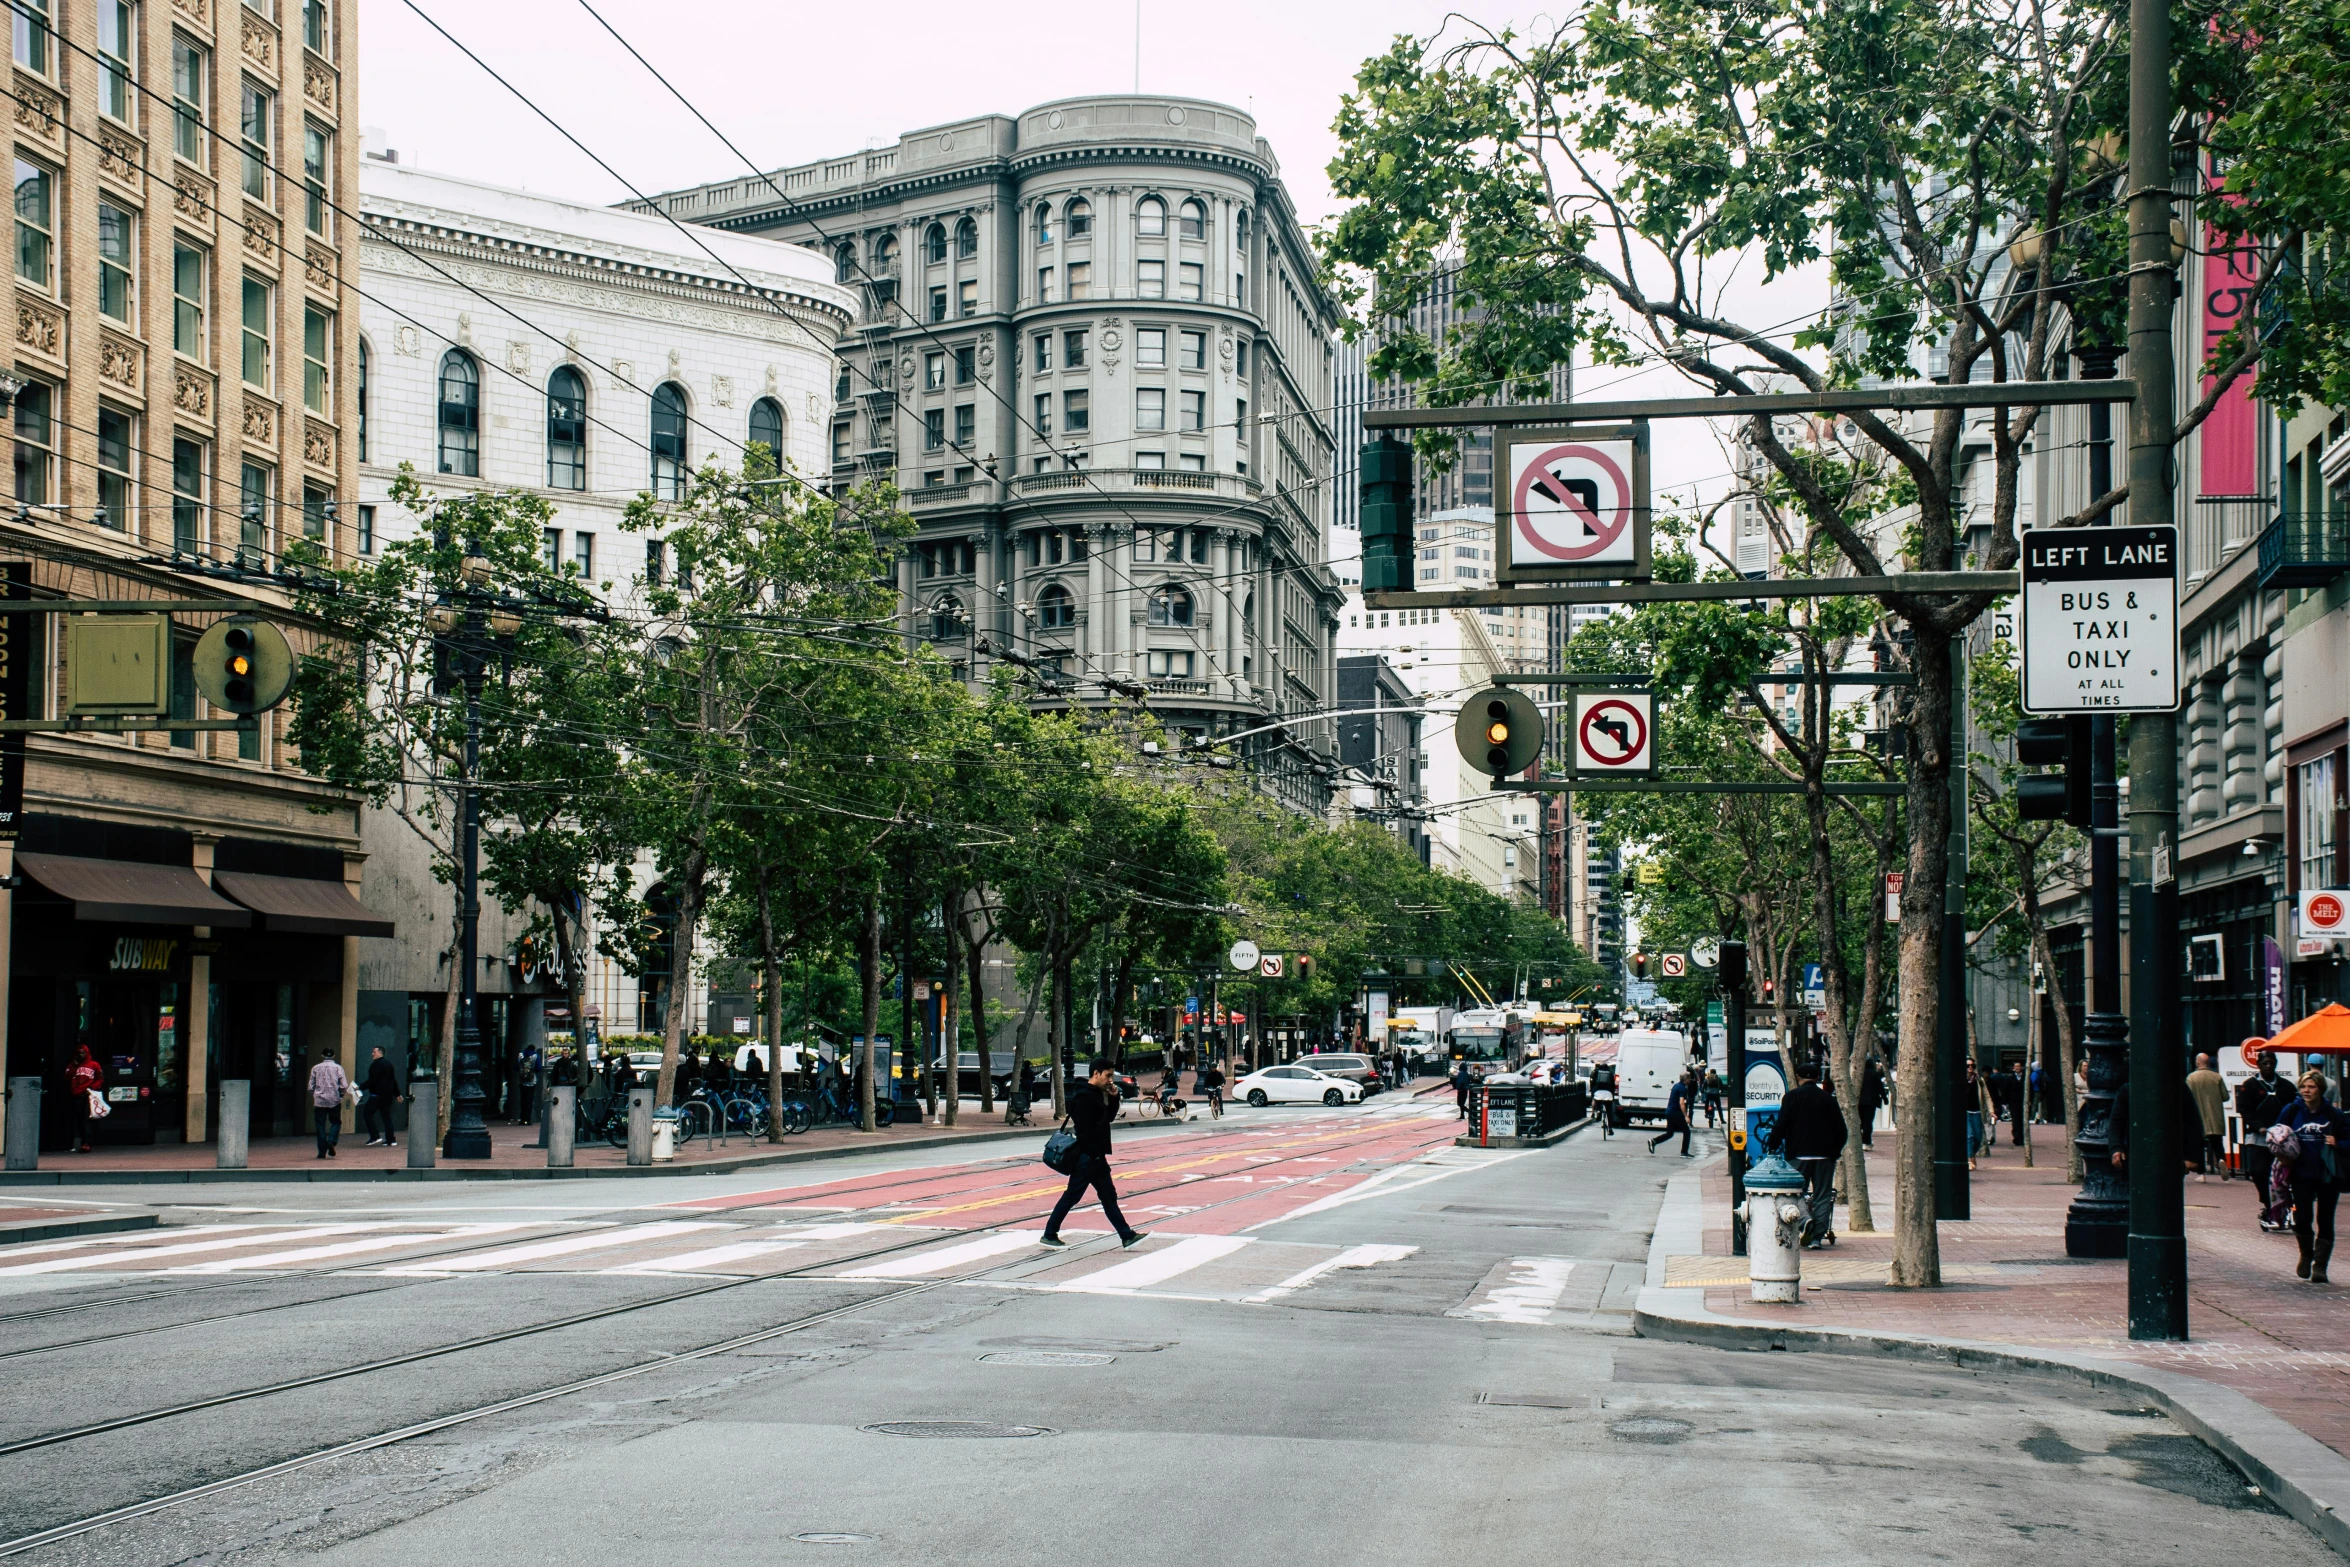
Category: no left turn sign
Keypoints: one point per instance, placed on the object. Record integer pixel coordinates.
(1578, 505)
(1615, 732)
(1676, 965)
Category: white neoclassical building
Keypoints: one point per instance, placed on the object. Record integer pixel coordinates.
(516, 340)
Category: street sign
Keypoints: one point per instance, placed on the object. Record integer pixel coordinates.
(1815, 985)
(1676, 965)
(2101, 620)
(1243, 955)
(1578, 505)
(2322, 914)
(1893, 897)
(1614, 733)
(1270, 965)
(1705, 952)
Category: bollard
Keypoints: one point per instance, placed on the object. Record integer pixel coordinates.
(236, 1123)
(561, 1125)
(640, 1126)
(24, 1123)
(1774, 1231)
(424, 1122)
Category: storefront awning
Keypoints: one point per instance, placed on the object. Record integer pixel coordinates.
(300, 906)
(126, 892)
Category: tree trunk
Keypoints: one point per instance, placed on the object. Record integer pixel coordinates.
(909, 1033)
(2068, 1050)
(2032, 1052)
(975, 947)
(1052, 1032)
(950, 1033)
(1121, 994)
(1872, 992)
(771, 977)
(448, 1051)
(1853, 1172)
(681, 969)
(869, 964)
(1917, 1253)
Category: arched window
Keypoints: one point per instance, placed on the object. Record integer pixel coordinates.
(1192, 223)
(844, 264)
(966, 240)
(1080, 216)
(767, 427)
(1171, 606)
(1150, 218)
(566, 430)
(885, 255)
(1044, 223)
(934, 243)
(946, 618)
(1055, 609)
(1240, 229)
(460, 414)
(669, 442)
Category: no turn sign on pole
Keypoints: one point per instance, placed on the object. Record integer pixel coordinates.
(2101, 620)
(1577, 505)
(1614, 734)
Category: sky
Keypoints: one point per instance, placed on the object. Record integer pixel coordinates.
(792, 83)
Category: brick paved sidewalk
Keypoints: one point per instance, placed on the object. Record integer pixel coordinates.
(2006, 1280)
(510, 1150)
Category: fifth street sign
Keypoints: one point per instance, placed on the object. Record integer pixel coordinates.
(2101, 620)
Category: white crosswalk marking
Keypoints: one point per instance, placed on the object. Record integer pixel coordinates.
(946, 1259)
(601, 1239)
(283, 1259)
(1157, 1267)
(134, 1238)
(710, 1257)
(1523, 1289)
(128, 1259)
(1352, 1257)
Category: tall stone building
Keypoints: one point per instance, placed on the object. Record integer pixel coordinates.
(184, 422)
(1095, 352)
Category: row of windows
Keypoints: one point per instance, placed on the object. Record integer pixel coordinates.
(1056, 608)
(1150, 350)
(1150, 282)
(1076, 409)
(1150, 221)
(459, 423)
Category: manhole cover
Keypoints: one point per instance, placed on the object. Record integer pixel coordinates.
(1651, 1428)
(818, 1537)
(961, 1428)
(1044, 1357)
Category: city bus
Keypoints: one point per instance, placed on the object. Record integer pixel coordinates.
(1490, 1039)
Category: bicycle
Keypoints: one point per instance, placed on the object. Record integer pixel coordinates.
(827, 1106)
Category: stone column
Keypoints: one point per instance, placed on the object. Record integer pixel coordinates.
(1231, 593)
(1090, 635)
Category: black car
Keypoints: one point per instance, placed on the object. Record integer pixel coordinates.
(1359, 1068)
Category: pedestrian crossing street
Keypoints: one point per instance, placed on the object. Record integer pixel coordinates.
(1233, 1268)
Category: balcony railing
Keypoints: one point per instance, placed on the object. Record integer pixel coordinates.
(2218, 528)
(1169, 685)
(1225, 486)
(2298, 550)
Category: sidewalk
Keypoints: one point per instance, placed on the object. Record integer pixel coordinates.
(2006, 1280)
(511, 1156)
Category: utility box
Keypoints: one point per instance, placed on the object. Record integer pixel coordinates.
(117, 665)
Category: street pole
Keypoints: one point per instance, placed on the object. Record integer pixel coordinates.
(469, 1135)
(1952, 1199)
(1731, 980)
(2097, 1224)
(2158, 1239)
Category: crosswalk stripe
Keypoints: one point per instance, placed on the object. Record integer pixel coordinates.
(1353, 1257)
(1157, 1267)
(710, 1257)
(279, 1259)
(134, 1238)
(947, 1259)
(562, 1246)
(1528, 1292)
(184, 1248)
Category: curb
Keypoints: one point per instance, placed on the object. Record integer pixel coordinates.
(62, 1229)
(2302, 1475)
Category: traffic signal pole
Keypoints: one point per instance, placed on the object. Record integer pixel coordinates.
(2158, 1239)
(1731, 982)
(1952, 1199)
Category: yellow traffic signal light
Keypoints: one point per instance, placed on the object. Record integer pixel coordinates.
(243, 665)
(1499, 731)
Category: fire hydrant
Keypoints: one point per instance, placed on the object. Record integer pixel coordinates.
(1774, 1231)
(665, 1134)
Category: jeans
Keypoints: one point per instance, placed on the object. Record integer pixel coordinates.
(329, 1119)
(1669, 1133)
(1819, 1191)
(375, 1116)
(1092, 1170)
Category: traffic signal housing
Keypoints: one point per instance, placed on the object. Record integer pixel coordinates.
(1386, 468)
(1639, 962)
(243, 665)
(2054, 742)
(1499, 731)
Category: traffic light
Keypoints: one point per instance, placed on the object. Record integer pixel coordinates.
(1387, 515)
(243, 665)
(1499, 731)
(1639, 965)
(2054, 742)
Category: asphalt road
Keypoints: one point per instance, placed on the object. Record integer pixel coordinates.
(1345, 1342)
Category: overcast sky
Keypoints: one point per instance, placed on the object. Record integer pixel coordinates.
(789, 83)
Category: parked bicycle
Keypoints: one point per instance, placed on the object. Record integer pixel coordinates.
(828, 1106)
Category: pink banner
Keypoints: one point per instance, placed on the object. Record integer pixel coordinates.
(2230, 439)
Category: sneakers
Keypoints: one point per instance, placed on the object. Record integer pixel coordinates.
(1054, 1241)
(1130, 1241)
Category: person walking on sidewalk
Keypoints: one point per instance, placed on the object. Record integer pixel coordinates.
(2210, 1093)
(1677, 1114)
(379, 1093)
(82, 1080)
(2260, 1099)
(2320, 1128)
(1092, 1107)
(1462, 1080)
(328, 1085)
(1872, 1099)
(1810, 1131)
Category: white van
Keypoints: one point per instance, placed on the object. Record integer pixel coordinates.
(1649, 1061)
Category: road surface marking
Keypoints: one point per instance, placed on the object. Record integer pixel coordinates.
(278, 1259)
(709, 1257)
(1523, 1289)
(133, 1258)
(1157, 1267)
(135, 1238)
(947, 1259)
(1353, 1257)
(600, 1239)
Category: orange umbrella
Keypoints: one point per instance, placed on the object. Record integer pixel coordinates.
(2321, 1033)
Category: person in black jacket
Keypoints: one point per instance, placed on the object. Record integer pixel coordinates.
(1092, 1107)
(2260, 1099)
(1872, 1099)
(380, 1092)
(1810, 1131)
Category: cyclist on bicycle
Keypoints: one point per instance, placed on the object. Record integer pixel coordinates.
(1603, 1097)
(1211, 1083)
(1168, 1103)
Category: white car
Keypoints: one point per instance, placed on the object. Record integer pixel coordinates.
(1297, 1085)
